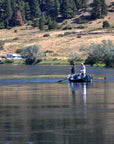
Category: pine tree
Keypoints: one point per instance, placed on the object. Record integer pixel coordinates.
(2, 25)
(57, 7)
(99, 9)
(13, 5)
(81, 3)
(68, 9)
(52, 8)
(84, 3)
(1, 11)
(96, 11)
(21, 8)
(41, 23)
(7, 12)
(49, 20)
(78, 4)
(27, 11)
(104, 7)
(52, 25)
(35, 9)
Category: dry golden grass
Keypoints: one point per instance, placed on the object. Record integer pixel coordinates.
(59, 45)
(63, 46)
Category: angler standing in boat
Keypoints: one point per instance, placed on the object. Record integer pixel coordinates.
(73, 69)
(83, 70)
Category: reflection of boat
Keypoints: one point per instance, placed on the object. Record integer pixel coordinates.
(79, 89)
(78, 78)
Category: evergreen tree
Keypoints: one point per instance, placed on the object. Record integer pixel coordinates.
(48, 20)
(84, 3)
(41, 23)
(53, 25)
(52, 8)
(104, 7)
(78, 4)
(68, 9)
(57, 7)
(13, 5)
(99, 9)
(27, 11)
(96, 11)
(7, 12)
(35, 9)
(42, 4)
(1, 11)
(106, 24)
(81, 3)
(35, 23)
(21, 8)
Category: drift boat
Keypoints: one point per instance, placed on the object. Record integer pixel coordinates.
(78, 78)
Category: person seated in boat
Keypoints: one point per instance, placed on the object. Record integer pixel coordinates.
(83, 70)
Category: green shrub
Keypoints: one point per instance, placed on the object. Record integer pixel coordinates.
(67, 28)
(30, 60)
(106, 24)
(2, 25)
(90, 60)
(67, 33)
(82, 21)
(79, 36)
(53, 25)
(100, 53)
(15, 38)
(8, 61)
(18, 51)
(31, 53)
(2, 45)
(48, 51)
(65, 22)
(81, 27)
(35, 23)
(46, 35)
(38, 61)
(15, 31)
(73, 58)
(60, 35)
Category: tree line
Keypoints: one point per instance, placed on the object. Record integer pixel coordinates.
(18, 12)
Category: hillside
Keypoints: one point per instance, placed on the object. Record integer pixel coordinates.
(60, 42)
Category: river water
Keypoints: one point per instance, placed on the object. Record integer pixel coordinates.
(44, 111)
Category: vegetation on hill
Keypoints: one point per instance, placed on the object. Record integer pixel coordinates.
(100, 53)
(31, 54)
(27, 24)
(45, 12)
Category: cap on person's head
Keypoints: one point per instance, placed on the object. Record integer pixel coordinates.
(81, 63)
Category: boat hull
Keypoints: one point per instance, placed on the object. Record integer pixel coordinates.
(74, 78)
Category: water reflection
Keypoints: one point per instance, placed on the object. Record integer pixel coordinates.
(79, 92)
(79, 89)
(57, 113)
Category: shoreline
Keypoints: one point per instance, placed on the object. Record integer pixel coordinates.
(33, 77)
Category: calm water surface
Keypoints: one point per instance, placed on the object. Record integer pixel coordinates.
(43, 111)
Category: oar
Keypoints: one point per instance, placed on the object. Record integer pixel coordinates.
(62, 80)
(101, 78)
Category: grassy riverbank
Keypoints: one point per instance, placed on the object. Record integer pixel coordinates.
(57, 60)
(32, 76)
